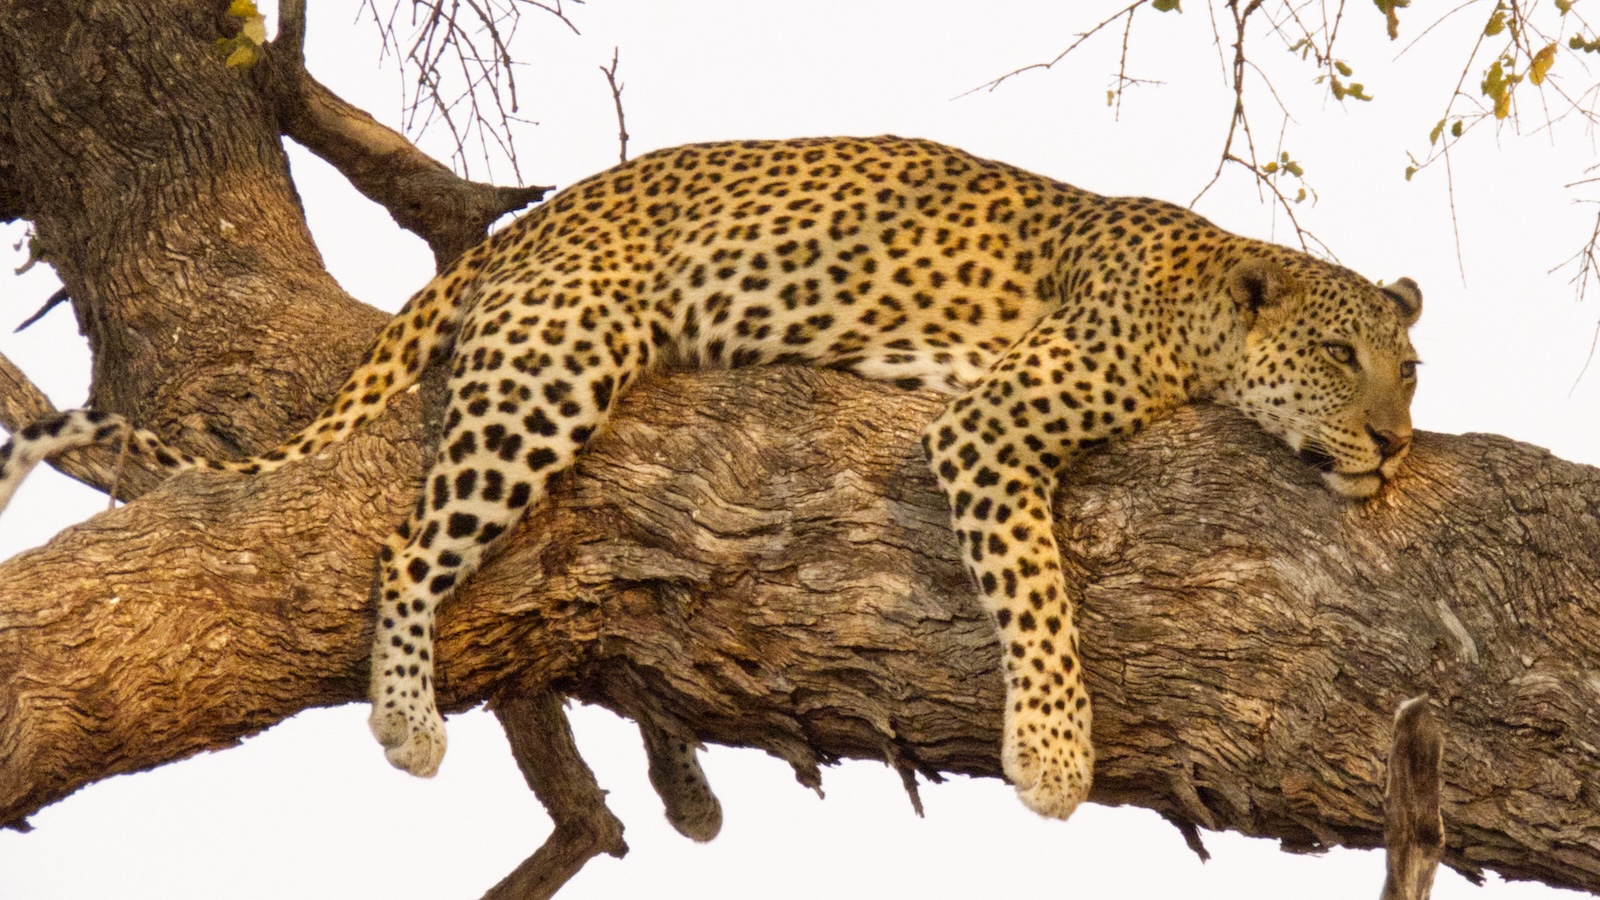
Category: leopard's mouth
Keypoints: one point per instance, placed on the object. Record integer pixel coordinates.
(1317, 457)
(1354, 485)
(1358, 485)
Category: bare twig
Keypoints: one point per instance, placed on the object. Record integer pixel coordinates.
(991, 85)
(616, 97)
(1239, 126)
(462, 71)
(1587, 264)
(56, 299)
(1586, 261)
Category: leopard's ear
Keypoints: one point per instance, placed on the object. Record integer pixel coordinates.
(1407, 299)
(1259, 285)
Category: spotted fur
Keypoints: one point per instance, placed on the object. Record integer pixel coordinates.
(1057, 319)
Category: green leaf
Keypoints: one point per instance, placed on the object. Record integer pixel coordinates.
(1166, 5)
(1344, 70)
(1494, 80)
(1410, 171)
(35, 253)
(1433, 136)
(243, 57)
(1388, 7)
(1564, 6)
(1455, 130)
(1542, 61)
(1497, 24)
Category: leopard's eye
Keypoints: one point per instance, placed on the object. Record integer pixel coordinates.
(1408, 369)
(1340, 352)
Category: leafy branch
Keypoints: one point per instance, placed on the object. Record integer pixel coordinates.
(1531, 59)
(1522, 50)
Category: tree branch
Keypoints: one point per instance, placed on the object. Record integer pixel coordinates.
(291, 39)
(616, 99)
(449, 212)
(541, 740)
(99, 467)
(761, 556)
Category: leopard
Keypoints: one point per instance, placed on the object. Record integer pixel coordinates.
(1055, 321)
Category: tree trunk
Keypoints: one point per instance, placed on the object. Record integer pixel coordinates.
(756, 558)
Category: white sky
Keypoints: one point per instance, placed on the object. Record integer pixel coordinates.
(310, 809)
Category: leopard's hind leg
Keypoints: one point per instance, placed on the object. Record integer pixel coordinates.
(681, 783)
(513, 422)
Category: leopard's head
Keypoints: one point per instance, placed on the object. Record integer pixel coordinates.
(1328, 367)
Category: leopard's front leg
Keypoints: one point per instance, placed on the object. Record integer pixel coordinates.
(1001, 516)
(997, 450)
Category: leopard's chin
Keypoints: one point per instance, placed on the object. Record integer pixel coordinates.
(1354, 485)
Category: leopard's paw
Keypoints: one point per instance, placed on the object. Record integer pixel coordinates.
(1050, 763)
(412, 740)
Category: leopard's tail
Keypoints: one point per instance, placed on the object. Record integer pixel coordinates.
(62, 431)
(424, 330)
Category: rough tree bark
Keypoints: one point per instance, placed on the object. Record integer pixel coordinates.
(754, 558)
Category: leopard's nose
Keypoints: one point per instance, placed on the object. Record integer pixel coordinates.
(1390, 443)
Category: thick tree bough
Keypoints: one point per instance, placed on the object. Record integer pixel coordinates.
(759, 557)
(755, 558)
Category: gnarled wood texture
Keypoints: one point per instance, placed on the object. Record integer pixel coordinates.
(760, 558)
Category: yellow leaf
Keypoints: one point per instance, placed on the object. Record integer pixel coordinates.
(1542, 61)
(255, 29)
(1502, 105)
(1497, 24)
(243, 9)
